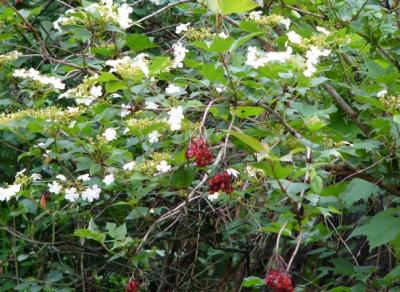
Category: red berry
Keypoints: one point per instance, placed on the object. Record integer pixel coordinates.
(199, 150)
(133, 286)
(220, 182)
(279, 281)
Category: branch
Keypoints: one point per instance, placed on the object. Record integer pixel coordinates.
(340, 102)
(162, 10)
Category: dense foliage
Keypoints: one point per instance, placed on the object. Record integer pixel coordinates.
(209, 145)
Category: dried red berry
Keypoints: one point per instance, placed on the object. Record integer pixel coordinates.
(220, 182)
(133, 286)
(199, 150)
(279, 281)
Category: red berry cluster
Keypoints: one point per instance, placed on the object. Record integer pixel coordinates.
(199, 150)
(279, 281)
(220, 182)
(133, 286)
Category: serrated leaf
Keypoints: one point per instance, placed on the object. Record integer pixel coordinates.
(358, 190)
(182, 177)
(88, 234)
(252, 281)
(139, 42)
(237, 6)
(381, 228)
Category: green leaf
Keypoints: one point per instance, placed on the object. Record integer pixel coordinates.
(118, 233)
(213, 72)
(182, 177)
(252, 281)
(316, 184)
(139, 42)
(358, 190)
(247, 111)
(236, 6)
(252, 142)
(381, 228)
(88, 234)
(393, 275)
(274, 169)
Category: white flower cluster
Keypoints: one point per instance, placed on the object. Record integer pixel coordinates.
(293, 37)
(257, 59)
(10, 56)
(179, 55)
(110, 12)
(156, 2)
(110, 134)
(35, 76)
(63, 20)
(10, 191)
(172, 89)
(163, 167)
(182, 27)
(382, 93)
(257, 16)
(105, 11)
(127, 67)
(85, 93)
(72, 194)
(153, 137)
(175, 118)
(312, 59)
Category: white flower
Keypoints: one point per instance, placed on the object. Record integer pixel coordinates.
(220, 88)
(123, 16)
(91, 194)
(35, 76)
(173, 89)
(323, 30)
(72, 110)
(71, 194)
(55, 187)
(128, 66)
(36, 176)
(255, 59)
(19, 173)
(286, 22)
(182, 27)
(223, 35)
(251, 171)
(156, 2)
(382, 93)
(255, 15)
(233, 172)
(61, 177)
(96, 91)
(129, 166)
(294, 37)
(179, 55)
(213, 197)
(151, 211)
(7, 193)
(153, 137)
(175, 118)
(163, 166)
(108, 179)
(312, 59)
(125, 110)
(110, 134)
(84, 177)
(141, 62)
(150, 105)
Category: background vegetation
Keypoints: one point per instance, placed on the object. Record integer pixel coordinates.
(199, 145)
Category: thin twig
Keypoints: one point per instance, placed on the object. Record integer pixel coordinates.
(162, 10)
